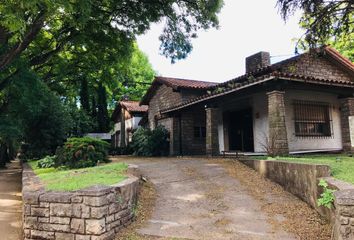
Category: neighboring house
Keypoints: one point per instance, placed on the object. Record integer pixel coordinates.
(126, 117)
(302, 104)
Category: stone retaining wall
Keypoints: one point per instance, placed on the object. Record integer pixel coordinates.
(302, 181)
(97, 212)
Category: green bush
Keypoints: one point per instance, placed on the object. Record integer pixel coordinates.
(121, 150)
(47, 162)
(150, 143)
(82, 152)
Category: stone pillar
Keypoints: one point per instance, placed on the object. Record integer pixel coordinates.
(277, 135)
(122, 128)
(347, 115)
(212, 138)
(175, 135)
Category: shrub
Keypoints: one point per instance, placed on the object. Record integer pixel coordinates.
(82, 152)
(150, 143)
(47, 162)
(121, 150)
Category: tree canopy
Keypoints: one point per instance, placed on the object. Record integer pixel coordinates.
(325, 21)
(60, 22)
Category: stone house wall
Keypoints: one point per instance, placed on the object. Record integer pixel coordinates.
(97, 212)
(316, 66)
(164, 98)
(189, 120)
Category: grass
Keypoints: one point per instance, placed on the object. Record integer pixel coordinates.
(342, 166)
(75, 179)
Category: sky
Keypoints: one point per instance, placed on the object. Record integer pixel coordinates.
(246, 27)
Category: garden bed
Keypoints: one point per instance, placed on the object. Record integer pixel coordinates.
(75, 179)
(342, 166)
(97, 211)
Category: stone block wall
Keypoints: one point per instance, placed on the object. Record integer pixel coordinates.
(302, 180)
(344, 215)
(94, 213)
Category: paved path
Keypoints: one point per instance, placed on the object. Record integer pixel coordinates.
(198, 200)
(10, 202)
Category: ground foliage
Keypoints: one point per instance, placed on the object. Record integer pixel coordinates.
(81, 153)
(148, 142)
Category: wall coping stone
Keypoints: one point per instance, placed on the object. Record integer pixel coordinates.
(96, 212)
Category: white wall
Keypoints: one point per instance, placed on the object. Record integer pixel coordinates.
(221, 133)
(311, 143)
(260, 121)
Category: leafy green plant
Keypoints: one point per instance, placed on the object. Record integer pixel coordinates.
(82, 152)
(327, 196)
(46, 162)
(150, 143)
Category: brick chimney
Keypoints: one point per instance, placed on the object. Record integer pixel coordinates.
(256, 61)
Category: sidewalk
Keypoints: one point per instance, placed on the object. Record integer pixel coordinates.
(11, 202)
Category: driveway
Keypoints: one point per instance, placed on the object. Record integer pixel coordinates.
(200, 199)
(11, 202)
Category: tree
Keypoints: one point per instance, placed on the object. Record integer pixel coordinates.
(102, 117)
(60, 22)
(323, 20)
(31, 113)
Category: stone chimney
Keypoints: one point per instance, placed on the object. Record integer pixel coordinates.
(256, 61)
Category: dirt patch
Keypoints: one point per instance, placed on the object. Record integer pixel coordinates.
(298, 217)
(146, 203)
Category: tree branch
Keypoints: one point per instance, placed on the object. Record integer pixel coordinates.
(37, 25)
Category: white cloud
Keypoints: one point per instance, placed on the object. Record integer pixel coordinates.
(246, 27)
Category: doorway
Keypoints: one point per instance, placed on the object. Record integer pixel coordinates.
(241, 131)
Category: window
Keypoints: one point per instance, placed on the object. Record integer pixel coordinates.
(312, 119)
(199, 132)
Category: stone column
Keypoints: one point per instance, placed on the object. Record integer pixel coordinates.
(175, 135)
(277, 135)
(212, 138)
(347, 115)
(122, 128)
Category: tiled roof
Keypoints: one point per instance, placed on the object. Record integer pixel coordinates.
(270, 73)
(185, 83)
(175, 83)
(245, 81)
(133, 106)
(339, 58)
(130, 106)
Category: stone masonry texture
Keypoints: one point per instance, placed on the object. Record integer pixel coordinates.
(212, 139)
(97, 212)
(344, 215)
(278, 139)
(347, 109)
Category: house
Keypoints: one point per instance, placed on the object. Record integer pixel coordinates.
(302, 104)
(126, 117)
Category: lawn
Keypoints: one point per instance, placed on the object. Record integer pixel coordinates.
(342, 166)
(74, 179)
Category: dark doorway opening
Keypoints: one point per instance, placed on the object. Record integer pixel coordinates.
(241, 131)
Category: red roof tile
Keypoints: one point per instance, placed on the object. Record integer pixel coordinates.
(133, 106)
(176, 83)
(185, 83)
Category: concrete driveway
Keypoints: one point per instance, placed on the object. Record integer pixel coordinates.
(197, 199)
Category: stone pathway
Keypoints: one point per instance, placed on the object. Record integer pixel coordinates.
(11, 202)
(197, 199)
